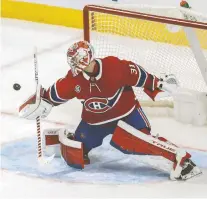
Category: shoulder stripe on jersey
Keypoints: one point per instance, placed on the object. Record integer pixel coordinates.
(139, 75)
(142, 76)
(54, 95)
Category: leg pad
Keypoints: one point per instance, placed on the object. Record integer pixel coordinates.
(132, 141)
(72, 151)
(128, 143)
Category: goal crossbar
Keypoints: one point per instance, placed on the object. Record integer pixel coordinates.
(132, 14)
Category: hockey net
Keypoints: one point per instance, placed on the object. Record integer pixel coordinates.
(162, 40)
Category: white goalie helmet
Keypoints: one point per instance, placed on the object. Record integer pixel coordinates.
(79, 56)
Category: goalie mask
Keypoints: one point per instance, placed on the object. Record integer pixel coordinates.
(79, 56)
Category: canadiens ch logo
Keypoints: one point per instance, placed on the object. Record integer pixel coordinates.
(97, 105)
(77, 89)
(101, 105)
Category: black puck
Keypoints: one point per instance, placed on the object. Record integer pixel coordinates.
(16, 86)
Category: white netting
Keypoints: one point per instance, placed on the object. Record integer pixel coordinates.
(158, 47)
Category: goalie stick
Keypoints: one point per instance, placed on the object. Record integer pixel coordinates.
(41, 159)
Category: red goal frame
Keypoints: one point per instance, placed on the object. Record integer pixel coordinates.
(137, 15)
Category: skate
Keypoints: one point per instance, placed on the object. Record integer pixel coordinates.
(185, 170)
(189, 170)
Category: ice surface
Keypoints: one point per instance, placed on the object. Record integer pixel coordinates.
(108, 165)
(111, 174)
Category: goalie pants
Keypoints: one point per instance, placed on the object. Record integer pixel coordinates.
(92, 135)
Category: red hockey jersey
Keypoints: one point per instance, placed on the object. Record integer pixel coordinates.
(108, 96)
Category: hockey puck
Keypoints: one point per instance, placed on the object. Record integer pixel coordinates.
(16, 86)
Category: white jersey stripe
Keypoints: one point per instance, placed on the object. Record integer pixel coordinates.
(144, 117)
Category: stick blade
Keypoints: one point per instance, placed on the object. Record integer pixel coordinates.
(45, 160)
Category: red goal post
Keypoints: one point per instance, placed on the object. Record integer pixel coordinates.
(161, 44)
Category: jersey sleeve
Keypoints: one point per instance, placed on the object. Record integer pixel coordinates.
(136, 75)
(61, 91)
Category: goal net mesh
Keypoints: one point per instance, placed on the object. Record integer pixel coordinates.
(160, 48)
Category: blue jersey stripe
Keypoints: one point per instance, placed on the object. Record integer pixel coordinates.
(143, 77)
(54, 96)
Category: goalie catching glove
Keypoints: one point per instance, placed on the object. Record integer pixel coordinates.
(166, 86)
(168, 83)
(35, 106)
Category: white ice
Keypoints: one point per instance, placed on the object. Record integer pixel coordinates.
(18, 41)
